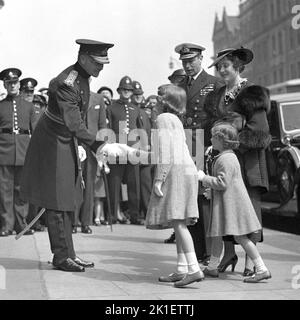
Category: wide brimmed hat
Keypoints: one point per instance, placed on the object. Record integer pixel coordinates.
(245, 55)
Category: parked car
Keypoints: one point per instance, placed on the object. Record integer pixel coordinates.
(283, 154)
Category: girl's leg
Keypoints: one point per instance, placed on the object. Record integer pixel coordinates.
(185, 244)
(251, 250)
(182, 265)
(97, 210)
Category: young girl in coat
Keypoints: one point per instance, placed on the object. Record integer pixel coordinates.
(173, 201)
(232, 212)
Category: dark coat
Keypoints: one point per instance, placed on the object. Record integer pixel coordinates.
(13, 147)
(51, 165)
(252, 103)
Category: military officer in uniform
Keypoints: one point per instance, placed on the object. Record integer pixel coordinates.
(197, 84)
(17, 120)
(52, 170)
(123, 117)
(27, 88)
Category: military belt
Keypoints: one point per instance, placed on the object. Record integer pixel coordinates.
(16, 131)
(54, 117)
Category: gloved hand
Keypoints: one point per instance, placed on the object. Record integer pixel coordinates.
(157, 188)
(81, 153)
(207, 193)
(201, 175)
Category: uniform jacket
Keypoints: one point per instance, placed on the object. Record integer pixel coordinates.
(123, 117)
(195, 116)
(51, 166)
(13, 147)
(96, 113)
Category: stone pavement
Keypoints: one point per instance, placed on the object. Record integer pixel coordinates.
(128, 262)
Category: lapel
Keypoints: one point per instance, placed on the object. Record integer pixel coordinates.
(198, 84)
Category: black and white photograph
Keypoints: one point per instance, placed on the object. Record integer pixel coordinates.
(149, 153)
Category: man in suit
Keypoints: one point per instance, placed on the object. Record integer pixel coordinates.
(52, 170)
(17, 120)
(95, 120)
(197, 84)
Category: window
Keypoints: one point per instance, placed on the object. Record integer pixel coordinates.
(292, 42)
(293, 71)
(278, 3)
(298, 69)
(280, 43)
(275, 76)
(281, 77)
(272, 11)
(273, 45)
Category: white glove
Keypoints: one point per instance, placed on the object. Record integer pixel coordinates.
(207, 193)
(81, 153)
(157, 188)
(201, 175)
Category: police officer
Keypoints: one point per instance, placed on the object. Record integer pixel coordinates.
(197, 84)
(107, 94)
(27, 88)
(138, 98)
(52, 170)
(177, 76)
(44, 92)
(123, 117)
(39, 103)
(17, 120)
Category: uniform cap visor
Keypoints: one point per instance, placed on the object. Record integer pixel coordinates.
(102, 60)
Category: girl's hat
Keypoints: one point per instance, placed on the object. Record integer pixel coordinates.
(245, 55)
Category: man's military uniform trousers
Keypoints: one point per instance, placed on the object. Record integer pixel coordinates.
(17, 120)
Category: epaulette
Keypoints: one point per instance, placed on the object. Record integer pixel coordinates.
(69, 81)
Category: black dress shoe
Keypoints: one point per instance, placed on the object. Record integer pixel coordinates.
(171, 239)
(29, 232)
(69, 265)
(39, 227)
(86, 229)
(123, 221)
(104, 222)
(84, 263)
(74, 230)
(4, 233)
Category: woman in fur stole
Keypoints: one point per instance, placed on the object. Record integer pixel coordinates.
(246, 106)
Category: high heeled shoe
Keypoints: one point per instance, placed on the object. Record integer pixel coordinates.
(233, 261)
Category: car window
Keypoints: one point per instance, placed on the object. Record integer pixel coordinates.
(290, 114)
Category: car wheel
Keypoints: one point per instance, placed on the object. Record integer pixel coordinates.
(285, 178)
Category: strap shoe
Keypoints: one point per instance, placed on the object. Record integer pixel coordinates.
(258, 277)
(189, 278)
(173, 277)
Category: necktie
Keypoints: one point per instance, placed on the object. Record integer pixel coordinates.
(190, 82)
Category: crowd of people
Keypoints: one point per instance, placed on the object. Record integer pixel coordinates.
(50, 142)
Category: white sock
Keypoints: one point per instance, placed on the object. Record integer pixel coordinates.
(213, 263)
(182, 265)
(192, 262)
(259, 265)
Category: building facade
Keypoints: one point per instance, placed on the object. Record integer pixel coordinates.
(264, 26)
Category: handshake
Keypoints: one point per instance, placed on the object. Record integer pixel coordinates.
(116, 150)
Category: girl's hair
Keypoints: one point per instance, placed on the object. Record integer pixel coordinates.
(173, 99)
(227, 133)
(237, 63)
